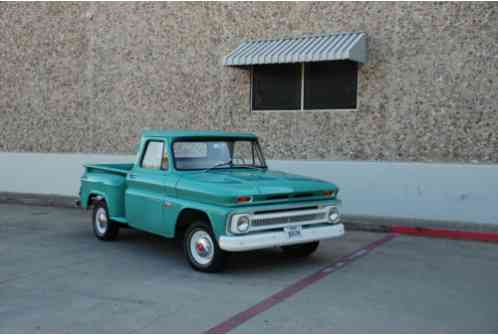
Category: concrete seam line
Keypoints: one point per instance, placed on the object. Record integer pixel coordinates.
(240, 318)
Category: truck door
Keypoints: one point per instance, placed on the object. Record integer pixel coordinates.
(149, 185)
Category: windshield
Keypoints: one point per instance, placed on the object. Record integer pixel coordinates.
(217, 154)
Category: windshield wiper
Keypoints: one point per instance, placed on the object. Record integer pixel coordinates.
(229, 162)
(250, 166)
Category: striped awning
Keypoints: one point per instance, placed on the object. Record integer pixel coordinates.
(314, 48)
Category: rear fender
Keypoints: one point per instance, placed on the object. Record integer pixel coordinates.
(110, 187)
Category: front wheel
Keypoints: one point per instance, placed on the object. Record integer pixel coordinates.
(103, 227)
(301, 250)
(201, 249)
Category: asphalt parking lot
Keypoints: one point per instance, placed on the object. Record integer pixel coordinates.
(55, 276)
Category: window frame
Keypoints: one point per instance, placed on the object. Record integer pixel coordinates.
(302, 109)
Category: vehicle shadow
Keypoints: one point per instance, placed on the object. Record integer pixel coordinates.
(153, 247)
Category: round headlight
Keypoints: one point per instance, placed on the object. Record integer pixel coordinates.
(334, 216)
(243, 224)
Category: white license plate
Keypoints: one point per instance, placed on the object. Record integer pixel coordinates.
(293, 232)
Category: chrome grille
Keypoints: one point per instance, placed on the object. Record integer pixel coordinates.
(288, 219)
(292, 216)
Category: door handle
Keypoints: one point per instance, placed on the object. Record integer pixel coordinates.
(132, 176)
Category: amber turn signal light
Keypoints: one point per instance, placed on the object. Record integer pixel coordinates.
(328, 194)
(244, 198)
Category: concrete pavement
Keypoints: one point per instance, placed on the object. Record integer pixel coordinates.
(55, 276)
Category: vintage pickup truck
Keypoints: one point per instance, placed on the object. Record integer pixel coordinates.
(212, 190)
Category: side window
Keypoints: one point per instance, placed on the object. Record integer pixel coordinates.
(165, 160)
(154, 155)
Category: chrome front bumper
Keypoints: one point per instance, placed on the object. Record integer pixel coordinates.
(278, 238)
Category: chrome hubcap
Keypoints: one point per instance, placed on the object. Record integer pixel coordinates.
(201, 247)
(101, 221)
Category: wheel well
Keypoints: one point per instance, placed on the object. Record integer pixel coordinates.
(186, 217)
(93, 198)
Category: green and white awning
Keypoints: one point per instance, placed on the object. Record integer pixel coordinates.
(314, 48)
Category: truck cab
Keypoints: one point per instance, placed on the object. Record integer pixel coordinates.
(214, 191)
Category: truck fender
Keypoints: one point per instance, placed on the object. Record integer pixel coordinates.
(98, 196)
(186, 216)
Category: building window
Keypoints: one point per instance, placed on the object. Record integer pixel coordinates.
(330, 85)
(306, 86)
(276, 87)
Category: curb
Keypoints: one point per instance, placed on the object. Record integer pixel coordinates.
(425, 228)
(447, 234)
(46, 200)
(385, 224)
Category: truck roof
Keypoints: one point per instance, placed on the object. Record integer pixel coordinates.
(178, 133)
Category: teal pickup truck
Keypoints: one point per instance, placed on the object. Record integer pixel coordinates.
(212, 190)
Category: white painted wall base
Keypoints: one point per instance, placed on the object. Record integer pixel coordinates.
(430, 191)
(47, 173)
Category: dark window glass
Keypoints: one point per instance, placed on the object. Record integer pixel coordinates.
(330, 85)
(276, 86)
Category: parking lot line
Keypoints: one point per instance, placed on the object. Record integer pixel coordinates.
(301, 284)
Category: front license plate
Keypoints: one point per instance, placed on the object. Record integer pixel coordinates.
(294, 232)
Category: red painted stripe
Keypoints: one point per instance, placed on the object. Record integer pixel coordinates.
(445, 233)
(285, 293)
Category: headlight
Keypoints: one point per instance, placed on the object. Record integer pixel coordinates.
(243, 224)
(334, 216)
(240, 224)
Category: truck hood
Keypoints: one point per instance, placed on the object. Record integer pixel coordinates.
(263, 185)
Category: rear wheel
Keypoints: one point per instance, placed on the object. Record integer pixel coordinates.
(201, 249)
(103, 227)
(301, 250)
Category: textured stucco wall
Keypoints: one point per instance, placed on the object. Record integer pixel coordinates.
(89, 77)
